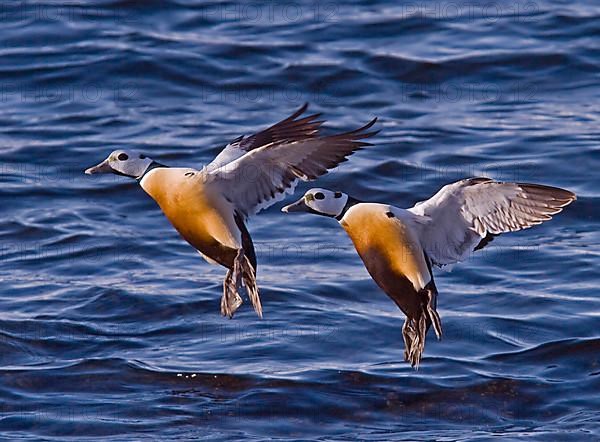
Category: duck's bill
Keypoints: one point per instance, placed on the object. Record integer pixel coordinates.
(298, 206)
(103, 167)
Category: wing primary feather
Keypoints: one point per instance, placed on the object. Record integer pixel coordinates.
(468, 214)
(290, 150)
(289, 129)
(358, 134)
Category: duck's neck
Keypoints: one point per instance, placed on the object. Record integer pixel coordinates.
(351, 202)
(153, 165)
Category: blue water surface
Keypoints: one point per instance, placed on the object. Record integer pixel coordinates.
(109, 322)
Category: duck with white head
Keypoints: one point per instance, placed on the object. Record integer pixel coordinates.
(399, 247)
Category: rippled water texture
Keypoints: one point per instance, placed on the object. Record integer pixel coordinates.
(109, 322)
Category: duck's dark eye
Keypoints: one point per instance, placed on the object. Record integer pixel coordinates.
(319, 196)
(123, 157)
(142, 157)
(337, 194)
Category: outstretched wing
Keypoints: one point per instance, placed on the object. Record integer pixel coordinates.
(289, 130)
(464, 216)
(265, 174)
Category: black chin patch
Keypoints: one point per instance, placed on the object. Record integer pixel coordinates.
(116, 172)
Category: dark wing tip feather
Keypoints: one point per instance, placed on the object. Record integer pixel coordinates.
(293, 149)
(370, 124)
(335, 149)
(365, 127)
(489, 237)
(289, 130)
(553, 198)
(478, 180)
(361, 130)
(356, 134)
(557, 194)
(534, 204)
(299, 112)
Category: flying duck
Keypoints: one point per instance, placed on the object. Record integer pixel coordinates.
(209, 207)
(399, 246)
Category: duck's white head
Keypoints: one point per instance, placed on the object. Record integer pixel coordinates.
(123, 162)
(321, 202)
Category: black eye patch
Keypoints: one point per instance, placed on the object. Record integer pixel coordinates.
(123, 157)
(337, 194)
(319, 196)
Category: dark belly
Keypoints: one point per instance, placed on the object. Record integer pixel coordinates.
(397, 286)
(201, 241)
